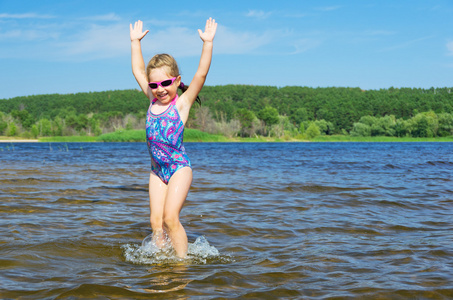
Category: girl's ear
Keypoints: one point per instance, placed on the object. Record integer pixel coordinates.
(180, 85)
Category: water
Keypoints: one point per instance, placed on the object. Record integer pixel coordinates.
(264, 221)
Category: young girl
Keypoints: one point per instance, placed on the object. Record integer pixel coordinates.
(171, 174)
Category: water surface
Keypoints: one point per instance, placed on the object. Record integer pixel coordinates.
(266, 221)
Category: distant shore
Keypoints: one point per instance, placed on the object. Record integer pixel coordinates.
(18, 141)
(193, 135)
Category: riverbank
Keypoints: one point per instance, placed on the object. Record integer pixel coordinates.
(10, 140)
(193, 135)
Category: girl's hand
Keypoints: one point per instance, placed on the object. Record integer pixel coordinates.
(137, 31)
(209, 31)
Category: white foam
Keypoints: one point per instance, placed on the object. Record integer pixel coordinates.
(200, 252)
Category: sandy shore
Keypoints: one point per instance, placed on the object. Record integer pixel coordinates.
(18, 141)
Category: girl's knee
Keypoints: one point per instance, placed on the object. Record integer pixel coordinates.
(171, 222)
(156, 223)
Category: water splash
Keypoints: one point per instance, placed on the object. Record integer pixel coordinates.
(159, 251)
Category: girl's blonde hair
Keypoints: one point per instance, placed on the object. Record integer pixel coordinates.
(163, 60)
(167, 61)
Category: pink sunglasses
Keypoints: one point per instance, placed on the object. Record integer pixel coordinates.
(163, 83)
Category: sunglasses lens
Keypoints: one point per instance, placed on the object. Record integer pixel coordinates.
(166, 82)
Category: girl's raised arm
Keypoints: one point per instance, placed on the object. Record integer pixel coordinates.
(138, 64)
(205, 62)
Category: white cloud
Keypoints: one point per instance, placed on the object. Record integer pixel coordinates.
(76, 41)
(107, 41)
(96, 42)
(259, 14)
(296, 15)
(406, 44)
(450, 48)
(152, 24)
(193, 14)
(177, 41)
(328, 8)
(230, 42)
(25, 16)
(99, 42)
(303, 45)
(183, 42)
(28, 35)
(106, 17)
(379, 32)
(12, 34)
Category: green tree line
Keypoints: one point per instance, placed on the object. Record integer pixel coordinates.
(242, 110)
(427, 124)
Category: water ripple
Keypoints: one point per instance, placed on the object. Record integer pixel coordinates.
(337, 220)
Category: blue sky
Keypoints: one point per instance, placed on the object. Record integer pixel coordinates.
(82, 46)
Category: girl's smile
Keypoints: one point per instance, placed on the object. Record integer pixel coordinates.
(164, 87)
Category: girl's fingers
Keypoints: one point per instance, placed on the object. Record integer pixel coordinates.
(137, 30)
(211, 24)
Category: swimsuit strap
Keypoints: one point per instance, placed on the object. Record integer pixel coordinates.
(172, 102)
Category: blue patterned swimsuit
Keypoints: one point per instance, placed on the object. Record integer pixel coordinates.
(164, 134)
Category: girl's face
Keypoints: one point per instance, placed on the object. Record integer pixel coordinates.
(164, 94)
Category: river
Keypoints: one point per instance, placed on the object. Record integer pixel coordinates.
(264, 221)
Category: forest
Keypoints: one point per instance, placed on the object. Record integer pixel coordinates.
(242, 110)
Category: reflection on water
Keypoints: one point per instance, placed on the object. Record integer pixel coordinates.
(277, 220)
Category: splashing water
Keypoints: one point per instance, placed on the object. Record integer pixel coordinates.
(161, 252)
(155, 243)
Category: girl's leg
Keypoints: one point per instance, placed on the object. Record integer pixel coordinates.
(157, 195)
(178, 188)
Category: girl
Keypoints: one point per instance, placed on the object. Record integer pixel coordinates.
(171, 175)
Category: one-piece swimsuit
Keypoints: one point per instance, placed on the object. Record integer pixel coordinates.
(164, 136)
